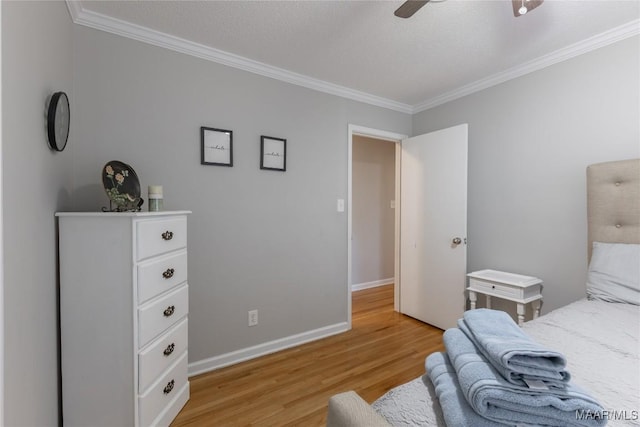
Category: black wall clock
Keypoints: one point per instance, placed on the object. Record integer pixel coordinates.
(58, 121)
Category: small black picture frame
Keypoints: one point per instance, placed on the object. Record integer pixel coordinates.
(216, 146)
(273, 153)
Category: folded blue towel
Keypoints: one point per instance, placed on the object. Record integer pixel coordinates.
(516, 356)
(455, 408)
(493, 397)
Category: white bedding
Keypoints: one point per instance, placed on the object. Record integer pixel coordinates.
(601, 342)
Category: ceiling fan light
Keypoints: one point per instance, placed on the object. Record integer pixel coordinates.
(521, 7)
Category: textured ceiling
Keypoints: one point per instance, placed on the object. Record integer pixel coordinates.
(361, 45)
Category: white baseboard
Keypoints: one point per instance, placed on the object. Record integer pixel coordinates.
(244, 354)
(374, 284)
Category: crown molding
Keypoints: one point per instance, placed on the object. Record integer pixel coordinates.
(592, 43)
(106, 23)
(102, 22)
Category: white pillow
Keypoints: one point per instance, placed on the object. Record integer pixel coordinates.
(614, 273)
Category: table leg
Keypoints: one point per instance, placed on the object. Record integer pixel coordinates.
(488, 301)
(521, 312)
(536, 311)
(473, 298)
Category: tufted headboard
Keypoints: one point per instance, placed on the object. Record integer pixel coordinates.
(613, 202)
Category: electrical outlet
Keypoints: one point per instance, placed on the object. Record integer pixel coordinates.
(253, 317)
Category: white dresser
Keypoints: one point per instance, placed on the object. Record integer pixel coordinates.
(124, 307)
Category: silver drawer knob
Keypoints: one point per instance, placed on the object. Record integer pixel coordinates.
(456, 240)
(167, 351)
(169, 310)
(169, 386)
(168, 273)
(167, 235)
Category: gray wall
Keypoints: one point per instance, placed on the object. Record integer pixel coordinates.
(37, 42)
(258, 239)
(530, 140)
(373, 234)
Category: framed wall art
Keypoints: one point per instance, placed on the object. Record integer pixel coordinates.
(217, 146)
(273, 153)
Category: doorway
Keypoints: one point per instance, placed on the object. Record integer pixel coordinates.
(372, 210)
(432, 211)
(379, 135)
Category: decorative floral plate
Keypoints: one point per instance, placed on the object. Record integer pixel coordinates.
(122, 186)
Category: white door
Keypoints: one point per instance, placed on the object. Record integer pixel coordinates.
(433, 226)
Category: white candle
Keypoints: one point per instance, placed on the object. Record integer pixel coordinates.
(155, 198)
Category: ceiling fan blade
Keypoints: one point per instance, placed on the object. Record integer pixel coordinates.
(410, 7)
(529, 4)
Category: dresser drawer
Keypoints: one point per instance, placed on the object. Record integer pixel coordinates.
(159, 314)
(158, 236)
(497, 289)
(161, 353)
(158, 275)
(162, 392)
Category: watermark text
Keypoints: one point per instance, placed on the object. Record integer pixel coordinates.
(617, 415)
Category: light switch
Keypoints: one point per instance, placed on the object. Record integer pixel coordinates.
(392, 205)
(340, 205)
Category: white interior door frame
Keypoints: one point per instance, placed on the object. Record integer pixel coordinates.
(1, 258)
(387, 136)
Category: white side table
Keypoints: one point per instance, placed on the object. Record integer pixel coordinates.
(513, 287)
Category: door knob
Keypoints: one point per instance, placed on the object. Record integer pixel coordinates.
(457, 240)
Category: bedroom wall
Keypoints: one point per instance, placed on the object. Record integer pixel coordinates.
(36, 61)
(530, 140)
(373, 234)
(264, 240)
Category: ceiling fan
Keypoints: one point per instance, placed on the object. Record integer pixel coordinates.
(520, 7)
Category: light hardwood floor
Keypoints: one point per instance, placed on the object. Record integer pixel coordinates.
(384, 349)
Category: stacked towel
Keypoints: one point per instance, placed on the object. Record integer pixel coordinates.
(455, 409)
(516, 356)
(480, 381)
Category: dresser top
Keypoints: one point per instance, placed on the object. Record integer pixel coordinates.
(140, 214)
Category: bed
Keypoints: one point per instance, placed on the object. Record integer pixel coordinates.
(599, 335)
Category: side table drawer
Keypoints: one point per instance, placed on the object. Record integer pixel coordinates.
(161, 274)
(161, 353)
(162, 392)
(158, 236)
(495, 288)
(157, 315)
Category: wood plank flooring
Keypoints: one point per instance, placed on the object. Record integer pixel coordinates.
(384, 349)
